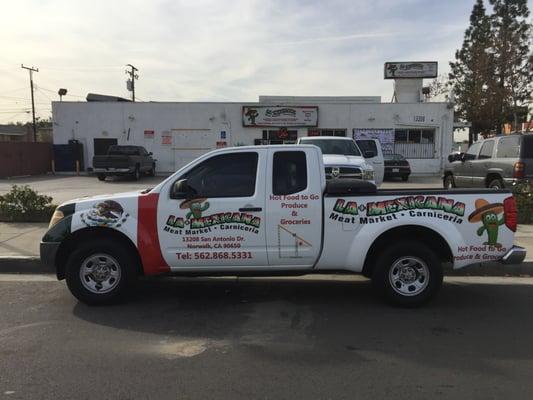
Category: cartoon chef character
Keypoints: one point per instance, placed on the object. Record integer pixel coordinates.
(487, 213)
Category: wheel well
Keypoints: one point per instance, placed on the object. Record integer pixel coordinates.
(421, 234)
(100, 233)
(490, 177)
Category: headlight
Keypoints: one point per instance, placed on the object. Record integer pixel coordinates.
(56, 217)
(368, 175)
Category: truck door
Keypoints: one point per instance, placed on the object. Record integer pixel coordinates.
(294, 207)
(223, 224)
(462, 170)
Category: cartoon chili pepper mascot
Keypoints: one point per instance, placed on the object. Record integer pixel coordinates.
(195, 207)
(488, 215)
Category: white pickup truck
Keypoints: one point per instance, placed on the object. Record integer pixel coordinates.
(268, 210)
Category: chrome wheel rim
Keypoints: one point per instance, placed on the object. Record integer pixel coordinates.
(100, 273)
(409, 276)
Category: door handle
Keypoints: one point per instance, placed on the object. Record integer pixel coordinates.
(250, 209)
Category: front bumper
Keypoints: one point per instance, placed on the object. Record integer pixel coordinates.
(515, 255)
(112, 170)
(48, 253)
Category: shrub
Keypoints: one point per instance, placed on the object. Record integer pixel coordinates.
(523, 194)
(23, 204)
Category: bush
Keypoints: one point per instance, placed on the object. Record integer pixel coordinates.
(23, 204)
(523, 194)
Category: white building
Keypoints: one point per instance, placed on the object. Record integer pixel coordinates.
(178, 132)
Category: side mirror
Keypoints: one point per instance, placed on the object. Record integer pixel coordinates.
(369, 154)
(451, 158)
(181, 190)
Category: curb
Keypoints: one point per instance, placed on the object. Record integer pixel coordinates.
(33, 265)
(24, 265)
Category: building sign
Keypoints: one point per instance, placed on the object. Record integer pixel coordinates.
(411, 69)
(385, 137)
(149, 134)
(166, 138)
(279, 116)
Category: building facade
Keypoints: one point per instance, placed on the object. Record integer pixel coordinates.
(176, 133)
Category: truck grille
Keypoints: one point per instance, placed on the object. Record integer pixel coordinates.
(343, 172)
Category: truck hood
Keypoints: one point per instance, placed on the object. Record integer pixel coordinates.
(88, 201)
(339, 159)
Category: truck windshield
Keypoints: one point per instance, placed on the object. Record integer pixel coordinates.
(332, 146)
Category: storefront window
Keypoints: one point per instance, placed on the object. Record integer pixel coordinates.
(326, 132)
(415, 142)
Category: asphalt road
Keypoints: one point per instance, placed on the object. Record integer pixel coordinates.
(266, 339)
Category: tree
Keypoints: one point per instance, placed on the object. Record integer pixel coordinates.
(511, 47)
(472, 72)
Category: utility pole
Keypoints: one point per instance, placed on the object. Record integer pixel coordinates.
(32, 70)
(133, 76)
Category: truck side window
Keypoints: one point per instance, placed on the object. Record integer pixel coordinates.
(289, 172)
(486, 150)
(226, 175)
(473, 151)
(508, 147)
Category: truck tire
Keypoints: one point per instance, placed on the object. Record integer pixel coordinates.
(496, 184)
(136, 174)
(101, 272)
(101, 177)
(407, 274)
(151, 172)
(449, 182)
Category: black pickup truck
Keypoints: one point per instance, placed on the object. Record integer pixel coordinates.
(133, 161)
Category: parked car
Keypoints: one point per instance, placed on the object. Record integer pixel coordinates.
(124, 160)
(269, 210)
(396, 166)
(495, 162)
(343, 159)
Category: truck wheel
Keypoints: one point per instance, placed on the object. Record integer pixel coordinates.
(496, 184)
(151, 172)
(137, 173)
(449, 182)
(101, 177)
(407, 274)
(99, 273)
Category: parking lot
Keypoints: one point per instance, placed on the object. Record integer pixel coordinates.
(67, 187)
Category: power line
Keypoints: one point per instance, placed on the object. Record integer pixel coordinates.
(31, 70)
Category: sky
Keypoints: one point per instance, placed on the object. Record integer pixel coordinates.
(226, 50)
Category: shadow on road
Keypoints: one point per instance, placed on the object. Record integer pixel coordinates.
(332, 321)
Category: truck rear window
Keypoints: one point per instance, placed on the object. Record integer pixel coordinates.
(508, 147)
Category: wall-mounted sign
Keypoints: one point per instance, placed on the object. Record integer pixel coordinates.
(411, 69)
(166, 138)
(279, 116)
(149, 134)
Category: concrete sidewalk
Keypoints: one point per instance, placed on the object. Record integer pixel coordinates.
(19, 248)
